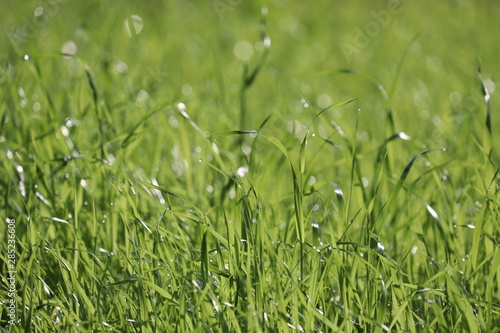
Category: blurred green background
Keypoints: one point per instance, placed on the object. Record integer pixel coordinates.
(192, 43)
(145, 55)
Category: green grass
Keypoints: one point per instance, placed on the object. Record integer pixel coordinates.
(161, 184)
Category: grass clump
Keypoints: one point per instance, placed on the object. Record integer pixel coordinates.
(159, 183)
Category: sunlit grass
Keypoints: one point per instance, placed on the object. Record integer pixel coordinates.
(159, 183)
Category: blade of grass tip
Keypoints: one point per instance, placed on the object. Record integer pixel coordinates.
(243, 102)
(403, 177)
(436, 218)
(93, 87)
(302, 152)
(95, 98)
(181, 107)
(382, 154)
(334, 72)
(340, 196)
(266, 42)
(338, 192)
(199, 213)
(381, 149)
(302, 159)
(254, 143)
(129, 280)
(204, 258)
(486, 97)
(354, 161)
(156, 187)
(331, 143)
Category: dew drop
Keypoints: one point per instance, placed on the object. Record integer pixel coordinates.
(133, 25)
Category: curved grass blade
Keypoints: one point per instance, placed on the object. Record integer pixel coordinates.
(302, 159)
(204, 258)
(181, 107)
(92, 85)
(251, 160)
(125, 141)
(403, 177)
(130, 280)
(156, 187)
(487, 97)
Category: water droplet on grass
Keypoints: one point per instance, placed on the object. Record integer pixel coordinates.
(133, 25)
(365, 182)
(121, 67)
(404, 136)
(267, 42)
(242, 171)
(246, 149)
(69, 48)
(380, 247)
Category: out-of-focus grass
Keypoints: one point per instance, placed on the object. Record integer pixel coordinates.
(143, 203)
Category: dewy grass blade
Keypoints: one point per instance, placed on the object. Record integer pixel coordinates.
(395, 79)
(156, 187)
(486, 96)
(403, 177)
(204, 258)
(302, 158)
(248, 79)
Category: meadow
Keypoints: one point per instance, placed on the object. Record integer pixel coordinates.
(237, 166)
